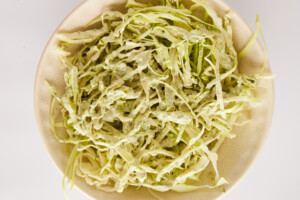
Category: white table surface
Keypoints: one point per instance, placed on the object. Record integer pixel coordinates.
(27, 172)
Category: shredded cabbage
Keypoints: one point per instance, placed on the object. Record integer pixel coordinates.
(150, 96)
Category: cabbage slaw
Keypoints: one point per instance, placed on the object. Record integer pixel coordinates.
(150, 96)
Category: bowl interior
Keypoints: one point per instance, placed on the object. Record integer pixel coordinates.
(235, 156)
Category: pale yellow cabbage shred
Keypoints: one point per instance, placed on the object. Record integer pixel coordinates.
(150, 96)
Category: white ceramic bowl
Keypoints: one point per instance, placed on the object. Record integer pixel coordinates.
(235, 156)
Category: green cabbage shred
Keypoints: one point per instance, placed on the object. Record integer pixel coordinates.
(150, 96)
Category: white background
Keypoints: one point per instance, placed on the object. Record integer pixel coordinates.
(26, 171)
